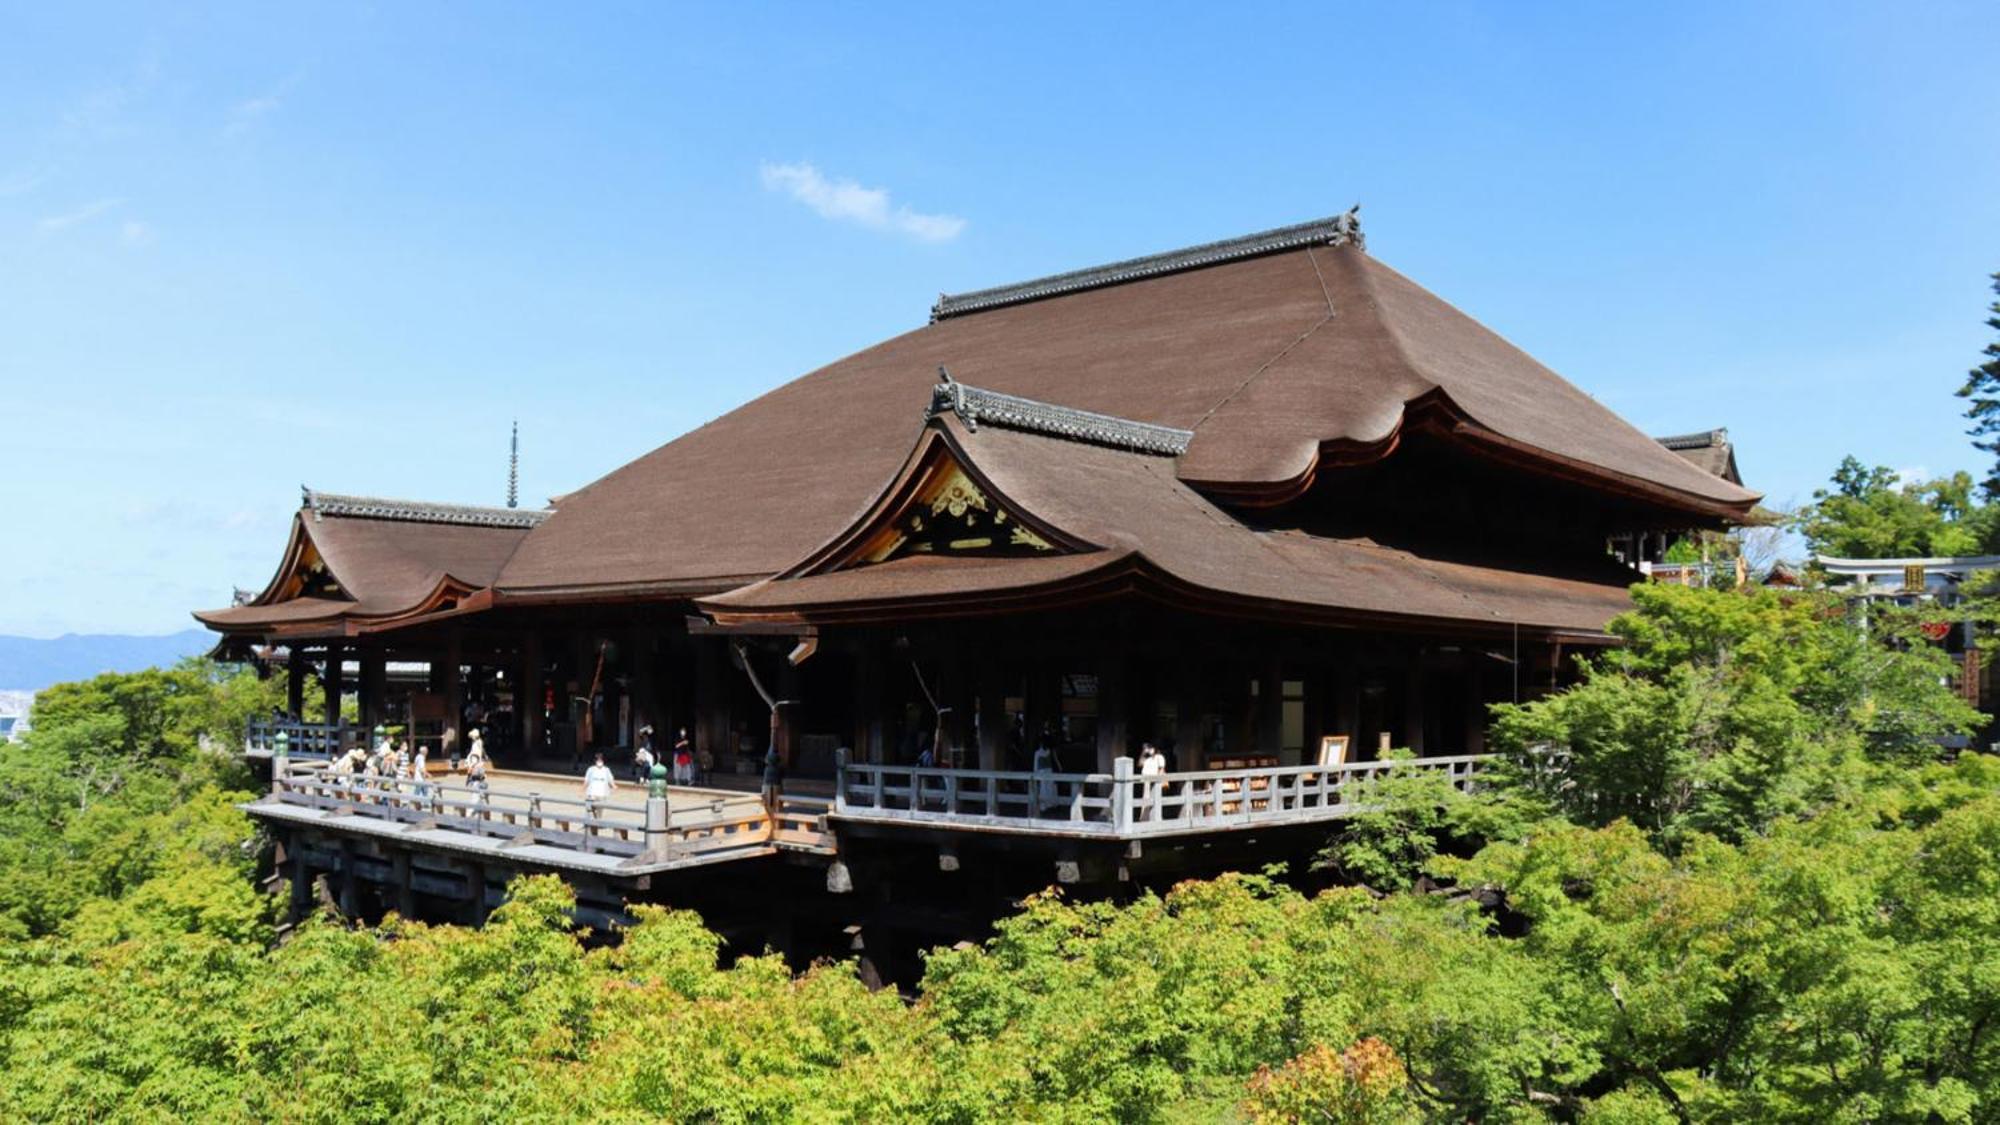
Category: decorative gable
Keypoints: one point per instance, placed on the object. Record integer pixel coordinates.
(948, 513)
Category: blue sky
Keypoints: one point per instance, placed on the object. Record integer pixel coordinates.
(247, 248)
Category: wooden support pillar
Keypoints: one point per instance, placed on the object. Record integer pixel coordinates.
(1113, 687)
(406, 895)
(301, 881)
(867, 702)
(993, 721)
(334, 681)
(1190, 704)
(643, 644)
(785, 721)
(1414, 704)
(1044, 706)
(295, 682)
(374, 686)
(475, 894)
(454, 692)
(711, 725)
(1347, 708)
(528, 713)
(349, 883)
(1270, 708)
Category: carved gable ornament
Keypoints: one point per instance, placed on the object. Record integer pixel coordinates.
(949, 514)
(309, 578)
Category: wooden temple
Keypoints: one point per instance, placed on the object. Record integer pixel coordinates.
(1264, 503)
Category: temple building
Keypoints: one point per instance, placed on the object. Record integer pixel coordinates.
(1262, 501)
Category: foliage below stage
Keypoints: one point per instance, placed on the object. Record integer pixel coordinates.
(1795, 918)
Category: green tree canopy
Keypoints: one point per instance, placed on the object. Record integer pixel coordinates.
(1724, 710)
(1982, 387)
(1871, 513)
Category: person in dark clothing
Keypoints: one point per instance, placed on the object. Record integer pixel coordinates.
(774, 780)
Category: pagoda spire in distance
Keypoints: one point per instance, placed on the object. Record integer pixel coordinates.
(514, 466)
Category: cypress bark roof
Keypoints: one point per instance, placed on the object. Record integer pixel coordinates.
(1145, 530)
(1269, 360)
(351, 559)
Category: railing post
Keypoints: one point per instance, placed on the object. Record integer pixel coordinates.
(281, 762)
(659, 813)
(840, 780)
(1121, 794)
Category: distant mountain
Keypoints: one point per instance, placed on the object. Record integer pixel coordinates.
(31, 664)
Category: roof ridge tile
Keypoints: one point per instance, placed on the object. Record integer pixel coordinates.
(974, 405)
(1336, 230)
(323, 504)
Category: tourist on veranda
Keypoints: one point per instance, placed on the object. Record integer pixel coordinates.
(1045, 786)
(420, 773)
(683, 760)
(475, 764)
(598, 784)
(642, 758)
(1152, 766)
(774, 780)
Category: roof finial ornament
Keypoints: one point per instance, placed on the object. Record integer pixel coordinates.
(514, 466)
(1347, 228)
(944, 374)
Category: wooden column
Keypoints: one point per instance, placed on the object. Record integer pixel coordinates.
(1270, 708)
(406, 895)
(301, 883)
(711, 723)
(1414, 704)
(475, 893)
(349, 882)
(454, 691)
(295, 682)
(334, 681)
(785, 730)
(374, 684)
(528, 711)
(1347, 706)
(867, 702)
(992, 691)
(1190, 702)
(1044, 704)
(1113, 689)
(1475, 706)
(645, 681)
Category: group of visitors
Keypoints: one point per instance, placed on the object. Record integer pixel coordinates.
(392, 765)
(682, 758)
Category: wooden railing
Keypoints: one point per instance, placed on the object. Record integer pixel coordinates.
(302, 740)
(642, 829)
(1122, 804)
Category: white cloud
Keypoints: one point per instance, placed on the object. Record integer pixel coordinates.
(1915, 474)
(56, 224)
(20, 183)
(246, 114)
(847, 201)
(136, 233)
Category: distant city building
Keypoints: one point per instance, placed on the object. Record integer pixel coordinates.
(14, 708)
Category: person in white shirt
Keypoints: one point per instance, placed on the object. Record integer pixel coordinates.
(1152, 766)
(475, 763)
(598, 783)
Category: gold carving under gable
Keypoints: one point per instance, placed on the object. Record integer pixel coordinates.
(951, 515)
(309, 578)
